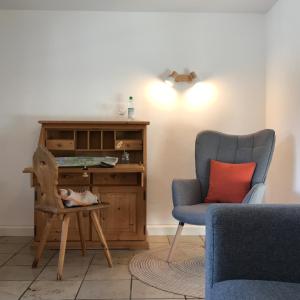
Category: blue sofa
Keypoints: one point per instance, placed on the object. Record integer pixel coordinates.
(253, 252)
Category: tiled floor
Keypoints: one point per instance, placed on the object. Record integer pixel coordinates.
(85, 278)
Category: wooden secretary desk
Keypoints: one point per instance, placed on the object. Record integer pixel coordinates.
(123, 186)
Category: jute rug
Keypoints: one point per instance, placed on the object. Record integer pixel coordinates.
(183, 276)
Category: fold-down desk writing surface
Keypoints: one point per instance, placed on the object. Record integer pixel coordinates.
(120, 168)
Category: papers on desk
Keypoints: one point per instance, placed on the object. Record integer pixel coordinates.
(85, 161)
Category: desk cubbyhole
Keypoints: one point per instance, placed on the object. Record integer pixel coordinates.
(129, 135)
(108, 140)
(53, 134)
(95, 140)
(82, 140)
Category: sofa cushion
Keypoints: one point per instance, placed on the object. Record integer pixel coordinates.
(229, 183)
(191, 214)
(255, 290)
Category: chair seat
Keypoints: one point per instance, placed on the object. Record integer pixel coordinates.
(191, 214)
(71, 209)
(255, 290)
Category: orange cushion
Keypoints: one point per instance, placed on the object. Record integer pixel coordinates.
(229, 183)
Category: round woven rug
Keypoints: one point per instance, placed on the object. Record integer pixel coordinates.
(183, 276)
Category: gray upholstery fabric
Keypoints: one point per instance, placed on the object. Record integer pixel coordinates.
(257, 147)
(256, 194)
(186, 192)
(255, 290)
(191, 214)
(252, 242)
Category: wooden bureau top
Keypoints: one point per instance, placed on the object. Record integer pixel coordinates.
(74, 123)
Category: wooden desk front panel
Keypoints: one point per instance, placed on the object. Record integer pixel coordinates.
(124, 219)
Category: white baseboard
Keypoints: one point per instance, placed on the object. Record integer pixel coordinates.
(171, 230)
(16, 230)
(152, 230)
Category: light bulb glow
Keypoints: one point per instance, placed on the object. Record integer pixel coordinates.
(202, 93)
(169, 82)
(162, 95)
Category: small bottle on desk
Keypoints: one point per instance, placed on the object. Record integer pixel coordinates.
(130, 108)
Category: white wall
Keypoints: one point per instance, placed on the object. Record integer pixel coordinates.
(283, 99)
(78, 65)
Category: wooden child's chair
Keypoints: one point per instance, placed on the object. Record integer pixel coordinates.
(46, 171)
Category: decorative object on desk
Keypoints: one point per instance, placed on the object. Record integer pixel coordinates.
(131, 108)
(125, 158)
(122, 109)
(71, 198)
(86, 161)
(183, 276)
(175, 77)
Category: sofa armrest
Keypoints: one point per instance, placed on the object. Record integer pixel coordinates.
(255, 242)
(186, 191)
(256, 194)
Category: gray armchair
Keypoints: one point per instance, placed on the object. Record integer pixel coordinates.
(252, 252)
(188, 195)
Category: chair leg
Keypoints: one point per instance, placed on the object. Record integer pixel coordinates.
(102, 237)
(178, 233)
(81, 233)
(43, 241)
(63, 243)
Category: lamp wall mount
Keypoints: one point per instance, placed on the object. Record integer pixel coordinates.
(182, 77)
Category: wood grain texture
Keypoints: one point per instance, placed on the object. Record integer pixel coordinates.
(98, 228)
(63, 243)
(123, 186)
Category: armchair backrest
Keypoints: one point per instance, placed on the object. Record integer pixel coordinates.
(257, 147)
(46, 172)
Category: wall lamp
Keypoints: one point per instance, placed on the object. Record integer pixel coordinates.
(175, 77)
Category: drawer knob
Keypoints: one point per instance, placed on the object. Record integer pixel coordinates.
(85, 175)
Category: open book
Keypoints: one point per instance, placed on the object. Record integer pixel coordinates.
(86, 161)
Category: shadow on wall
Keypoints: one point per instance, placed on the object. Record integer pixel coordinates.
(18, 137)
(282, 174)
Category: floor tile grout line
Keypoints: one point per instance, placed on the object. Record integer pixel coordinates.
(83, 278)
(130, 292)
(35, 278)
(15, 254)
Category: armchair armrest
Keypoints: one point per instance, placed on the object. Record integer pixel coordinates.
(186, 191)
(256, 194)
(255, 242)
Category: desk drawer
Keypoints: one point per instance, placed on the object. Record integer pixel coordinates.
(116, 179)
(60, 144)
(73, 179)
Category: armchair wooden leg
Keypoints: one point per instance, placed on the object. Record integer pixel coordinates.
(63, 243)
(178, 233)
(43, 241)
(81, 233)
(101, 236)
